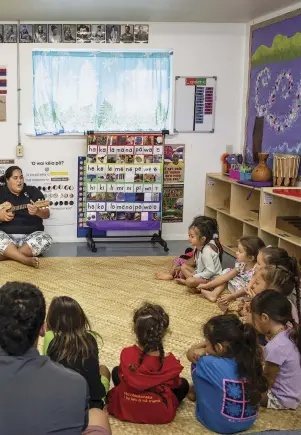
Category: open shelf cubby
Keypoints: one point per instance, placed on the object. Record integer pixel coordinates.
(242, 210)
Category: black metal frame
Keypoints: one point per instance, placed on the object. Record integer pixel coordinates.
(155, 238)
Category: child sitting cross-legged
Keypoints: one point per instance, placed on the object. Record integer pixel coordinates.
(227, 375)
(272, 316)
(188, 263)
(148, 387)
(237, 279)
(207, 254)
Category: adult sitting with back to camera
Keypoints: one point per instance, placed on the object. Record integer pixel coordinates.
(22, 236)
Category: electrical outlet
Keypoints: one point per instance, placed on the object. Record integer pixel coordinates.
(20, 151)
(229, 149)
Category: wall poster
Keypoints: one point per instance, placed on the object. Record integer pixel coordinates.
(57, 181)
(173, 190)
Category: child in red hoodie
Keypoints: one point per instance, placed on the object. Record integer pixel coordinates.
(148, 388)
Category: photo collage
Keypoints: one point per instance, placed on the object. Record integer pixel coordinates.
(124, 176)
(75, 33)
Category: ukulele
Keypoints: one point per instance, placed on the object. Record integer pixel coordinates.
(12, 208)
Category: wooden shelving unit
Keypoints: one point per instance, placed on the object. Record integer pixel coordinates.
(241, 210)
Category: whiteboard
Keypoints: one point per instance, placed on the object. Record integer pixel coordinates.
(195, 100)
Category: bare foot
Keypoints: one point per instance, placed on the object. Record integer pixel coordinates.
(194, 290)
(164, 276)
(32, 262)
(191, 394)
(181, 281)
(209, 295)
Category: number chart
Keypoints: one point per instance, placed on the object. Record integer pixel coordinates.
(124, 177)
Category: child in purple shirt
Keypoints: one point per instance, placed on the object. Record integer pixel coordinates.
(272, 316)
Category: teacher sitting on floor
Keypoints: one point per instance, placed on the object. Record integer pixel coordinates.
(22, 236)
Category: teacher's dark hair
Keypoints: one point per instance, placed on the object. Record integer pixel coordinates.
(8, 173)
(22, 314)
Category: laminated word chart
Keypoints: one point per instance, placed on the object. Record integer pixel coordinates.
(124, 176)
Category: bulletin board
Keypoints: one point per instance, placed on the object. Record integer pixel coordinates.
(123, 181)
(195, 100)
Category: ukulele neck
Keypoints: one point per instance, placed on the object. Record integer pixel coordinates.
(18, 207)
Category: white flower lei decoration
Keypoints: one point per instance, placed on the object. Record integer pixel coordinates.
(278, 123)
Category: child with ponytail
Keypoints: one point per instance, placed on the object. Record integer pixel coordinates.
(188, 261)
(272, 316)
(207, 254)
(148, 388)
(227, 375)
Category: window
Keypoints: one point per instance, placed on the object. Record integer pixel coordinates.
(78, 91)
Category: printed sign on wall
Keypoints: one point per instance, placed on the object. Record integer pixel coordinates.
(173, 191)
(57, 181)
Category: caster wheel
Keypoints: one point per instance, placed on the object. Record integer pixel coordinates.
(94, 249)
(166, 249)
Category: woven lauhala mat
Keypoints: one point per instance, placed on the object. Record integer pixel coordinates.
(109, 289)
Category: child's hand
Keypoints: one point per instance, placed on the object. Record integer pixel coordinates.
(250, 292)
(247, 318)
(246, 309)
(226, 299)
(195, 353)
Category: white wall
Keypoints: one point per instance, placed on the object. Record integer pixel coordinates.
(199, 49)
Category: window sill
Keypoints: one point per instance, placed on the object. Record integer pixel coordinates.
(57, 136)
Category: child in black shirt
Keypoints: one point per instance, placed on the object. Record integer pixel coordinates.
(70, 342)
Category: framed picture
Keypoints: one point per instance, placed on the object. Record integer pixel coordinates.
(69, 33)
(40, 33)
(10, 33)
(54, 33)
(1, 34)
(25, 33)
(83, 33)
(141, 33)
(98, 33)
(113, 33)
(127, 33)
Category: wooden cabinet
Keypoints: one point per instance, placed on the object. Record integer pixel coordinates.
(241, 210)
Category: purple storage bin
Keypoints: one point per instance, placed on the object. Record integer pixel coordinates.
(235, 174)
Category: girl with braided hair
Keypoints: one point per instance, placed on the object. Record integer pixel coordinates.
(148, 388)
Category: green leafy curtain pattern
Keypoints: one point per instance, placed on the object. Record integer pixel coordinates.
(102, 91)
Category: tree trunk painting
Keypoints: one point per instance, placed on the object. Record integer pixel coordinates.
(257, 137)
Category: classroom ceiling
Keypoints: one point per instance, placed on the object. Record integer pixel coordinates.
(214, 11)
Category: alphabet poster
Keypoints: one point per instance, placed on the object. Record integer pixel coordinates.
(124, 176)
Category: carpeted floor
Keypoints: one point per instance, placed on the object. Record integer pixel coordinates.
(109, 289)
